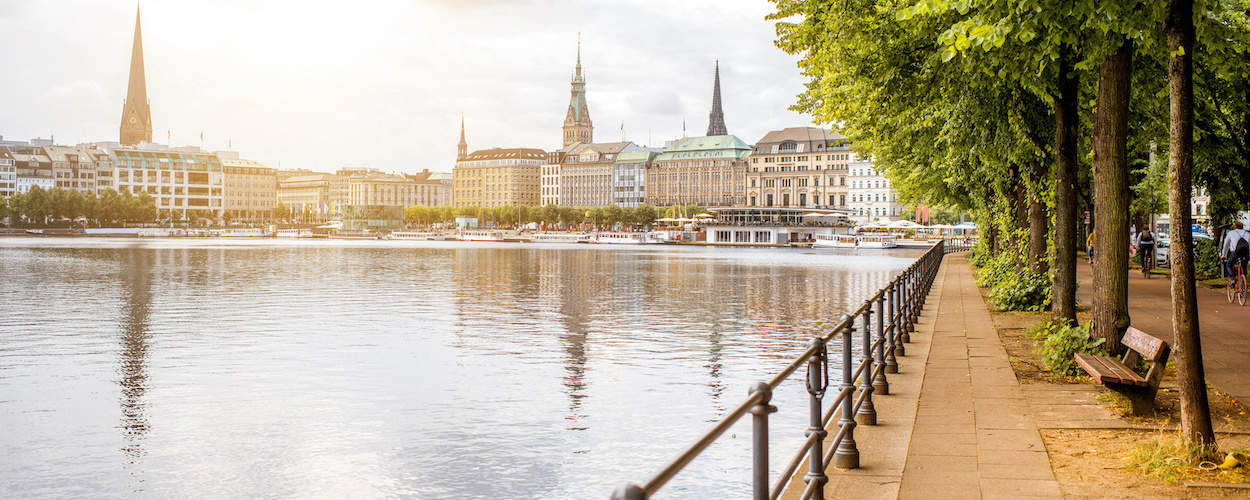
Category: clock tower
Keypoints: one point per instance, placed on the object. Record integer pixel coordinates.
(136, 124)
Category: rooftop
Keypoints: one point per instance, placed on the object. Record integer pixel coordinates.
(710, 147)
(507, 153)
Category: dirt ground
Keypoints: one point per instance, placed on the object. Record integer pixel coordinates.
(1090, 463)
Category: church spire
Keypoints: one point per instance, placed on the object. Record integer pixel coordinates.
(577, 124)
(136, 123)
(463, 149)
(716, 119)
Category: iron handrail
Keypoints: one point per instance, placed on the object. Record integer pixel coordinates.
(905, 294)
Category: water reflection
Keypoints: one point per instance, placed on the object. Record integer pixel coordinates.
(386, 369)
(133, 363)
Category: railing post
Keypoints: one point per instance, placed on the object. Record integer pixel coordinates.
(885, 352)
(908, 295)
(847, 455)
(817, 382)
(629, 492)
(759, 440)
(867, 414)
(896, 335)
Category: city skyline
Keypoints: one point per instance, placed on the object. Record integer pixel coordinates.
(629, 80)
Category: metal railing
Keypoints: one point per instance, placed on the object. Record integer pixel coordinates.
(959, 244)
(883, 343)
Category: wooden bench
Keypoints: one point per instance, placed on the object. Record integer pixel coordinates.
(1118, 375)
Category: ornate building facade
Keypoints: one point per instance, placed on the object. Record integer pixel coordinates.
(799, 167)
(497, 177)
(708, 171)
(136, 126)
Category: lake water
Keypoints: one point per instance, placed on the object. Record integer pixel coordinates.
(368, 369)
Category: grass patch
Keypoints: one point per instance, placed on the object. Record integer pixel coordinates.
(1171, 460)
(1123, 407)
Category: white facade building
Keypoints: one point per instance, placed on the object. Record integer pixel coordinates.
(872, 197)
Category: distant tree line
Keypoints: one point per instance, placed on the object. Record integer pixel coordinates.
(44, 207)
(517, 215)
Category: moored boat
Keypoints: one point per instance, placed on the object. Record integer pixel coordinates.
(834, 241)
(624, 238)
(480, 235)
(560, 238)
(413, 235)
(876, 241)
(294, 233)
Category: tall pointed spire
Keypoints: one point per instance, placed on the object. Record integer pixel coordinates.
(577, 124)
(716, 119)
(136, 123)
(463, 149)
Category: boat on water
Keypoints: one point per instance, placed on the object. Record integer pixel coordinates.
(479, 235)
(834, 241)
(876, 241)
(625, 238)
(354, 235)
(241, 233)
(294, 233)
(560, 238)
(414, 235)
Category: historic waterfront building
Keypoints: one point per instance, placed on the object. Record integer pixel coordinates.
(586, 173)
(497, 177)
(708, 171)
(314, 195)
(251, 189)
(430, 189)
(136, 125)
(72, 168)
(185, 184)
(577, 125)
(871, 195)
(799, 167)
(629, 177)
(8, 173)
(549, 179)
(716, 118)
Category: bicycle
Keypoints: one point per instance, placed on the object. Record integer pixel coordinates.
(1237, 284)
(1148, 261)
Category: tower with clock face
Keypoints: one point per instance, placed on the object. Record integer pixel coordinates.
(136, 124)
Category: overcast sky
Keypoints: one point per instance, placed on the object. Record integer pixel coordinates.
(382, 83)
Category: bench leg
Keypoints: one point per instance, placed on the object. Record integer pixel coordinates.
(1141, 399)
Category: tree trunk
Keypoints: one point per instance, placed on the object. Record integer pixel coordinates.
(1039, 220)
(1195, 410)
(1063, 288)
(1019, 198)
(1111, 197)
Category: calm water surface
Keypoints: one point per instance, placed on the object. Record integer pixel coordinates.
(336, 369)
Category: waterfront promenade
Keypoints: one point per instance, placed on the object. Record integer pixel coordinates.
(1225, 327)
(955, 424)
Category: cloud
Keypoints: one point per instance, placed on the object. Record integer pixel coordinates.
(384, 82)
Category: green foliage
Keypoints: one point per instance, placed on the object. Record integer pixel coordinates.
(1207, 260)
(56, 206)
(1059, 343)
(1022, 291)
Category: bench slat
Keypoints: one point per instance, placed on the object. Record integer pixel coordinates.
(1149, 346)
(1104, 370)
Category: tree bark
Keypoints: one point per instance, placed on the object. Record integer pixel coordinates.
(1111, 197)
(1067, 114)
(1019, 198)
(1039, 220)
(1195, 409)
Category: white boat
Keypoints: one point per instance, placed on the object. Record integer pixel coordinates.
(560, 238)
(479, 235)
(834, 241)
(294, 233)
(413, 235)
(876, 241)
(669, 236)
(241, 233)
(621, 238)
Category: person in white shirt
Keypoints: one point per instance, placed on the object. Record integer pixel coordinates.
(1236, 247)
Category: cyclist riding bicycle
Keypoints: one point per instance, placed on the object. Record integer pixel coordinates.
(1236, 248)
(1145, 247)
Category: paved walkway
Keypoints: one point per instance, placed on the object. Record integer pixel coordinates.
(1225, 328)
(955, 423)
(974, 436)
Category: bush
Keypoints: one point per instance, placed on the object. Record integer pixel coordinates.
(1020, 290)
(995, 270)
(1207, 261)
(1059, 344)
